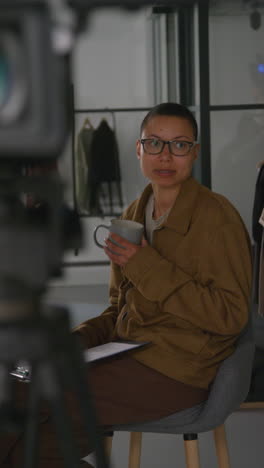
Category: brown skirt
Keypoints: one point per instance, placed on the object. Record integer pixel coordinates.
(124, 391)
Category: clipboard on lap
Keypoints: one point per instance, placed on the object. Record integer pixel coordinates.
(111, 349)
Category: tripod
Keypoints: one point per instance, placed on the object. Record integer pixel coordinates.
(56, 364)
(35, 333)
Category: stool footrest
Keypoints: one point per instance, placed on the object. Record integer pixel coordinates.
(190, 436)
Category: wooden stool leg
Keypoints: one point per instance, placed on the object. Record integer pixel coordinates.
(108, 441)
(221, 447)
(135, 449)
(191, 451)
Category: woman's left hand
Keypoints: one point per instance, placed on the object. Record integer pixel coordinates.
(121, 254)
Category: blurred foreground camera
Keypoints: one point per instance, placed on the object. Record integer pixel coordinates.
(36, 225)
(34, 83)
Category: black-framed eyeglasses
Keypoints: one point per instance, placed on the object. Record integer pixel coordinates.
(155, 146)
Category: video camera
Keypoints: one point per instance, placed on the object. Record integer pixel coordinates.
(34, 82)
(36, 226)
(36, 38)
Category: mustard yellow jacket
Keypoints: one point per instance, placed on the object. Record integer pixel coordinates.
(188, 293)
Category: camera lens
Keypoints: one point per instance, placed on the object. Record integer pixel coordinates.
(13, 89)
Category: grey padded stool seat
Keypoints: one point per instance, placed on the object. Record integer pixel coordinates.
(228, 391)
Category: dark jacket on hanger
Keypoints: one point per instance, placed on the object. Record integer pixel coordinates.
(82, 165)
(104, 165)
(257, 231)
(256, 390)
(258, 206)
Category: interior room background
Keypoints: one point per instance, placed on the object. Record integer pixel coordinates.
(124, 63)
(130, 61)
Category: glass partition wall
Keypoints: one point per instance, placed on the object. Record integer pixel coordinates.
(236, 37)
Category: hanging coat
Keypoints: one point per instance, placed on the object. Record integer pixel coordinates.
(257, 232)
(82, 163)
(104, 167)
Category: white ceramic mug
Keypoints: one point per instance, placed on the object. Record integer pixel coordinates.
(130, 230)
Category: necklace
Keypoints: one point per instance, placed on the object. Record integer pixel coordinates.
(158, 213)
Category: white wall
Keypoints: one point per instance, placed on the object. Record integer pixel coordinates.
(111, 60)
(235, 51)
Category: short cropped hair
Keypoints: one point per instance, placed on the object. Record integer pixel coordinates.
(174, 110)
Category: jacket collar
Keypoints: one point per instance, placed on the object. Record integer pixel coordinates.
(181, 213)
(180, 216)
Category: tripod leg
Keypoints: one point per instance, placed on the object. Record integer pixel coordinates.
(72, 458)
(32, 426)
(62, 421)
(85, 401)
(64, 368)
